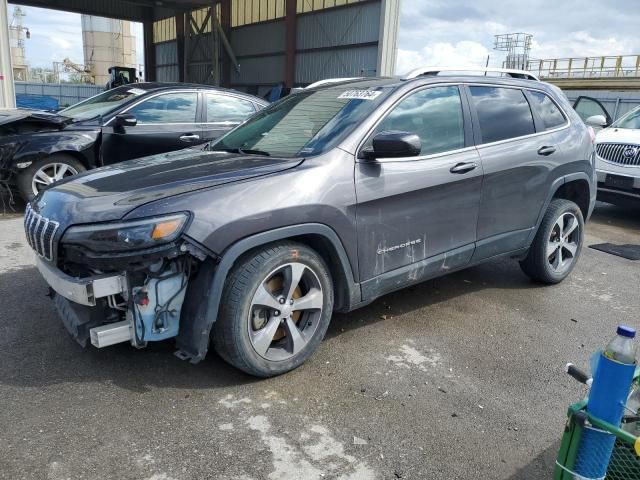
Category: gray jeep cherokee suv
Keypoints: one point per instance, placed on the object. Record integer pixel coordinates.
(322, 202)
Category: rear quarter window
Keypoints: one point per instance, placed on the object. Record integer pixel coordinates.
(503, 113)
(547, 109)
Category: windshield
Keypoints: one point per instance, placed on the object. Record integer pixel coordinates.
(630, 120)
(101, 103)
(307, 123)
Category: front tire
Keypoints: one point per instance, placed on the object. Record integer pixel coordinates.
(557, 245)
(275, 309)
(43, 173)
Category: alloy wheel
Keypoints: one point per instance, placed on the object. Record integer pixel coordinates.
(50, 173)
(563, 242)
(285, 311)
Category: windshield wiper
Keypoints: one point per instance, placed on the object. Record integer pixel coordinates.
(246, 151)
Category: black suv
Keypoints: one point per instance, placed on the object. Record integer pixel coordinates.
(322, 202)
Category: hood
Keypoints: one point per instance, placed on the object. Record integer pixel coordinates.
(37, 116)
(109, 193)
(618, 135)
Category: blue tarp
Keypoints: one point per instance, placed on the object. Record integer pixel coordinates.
(37, 102)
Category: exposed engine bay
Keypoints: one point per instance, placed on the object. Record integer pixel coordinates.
(147, 309)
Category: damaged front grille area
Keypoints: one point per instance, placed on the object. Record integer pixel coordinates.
(40, 232)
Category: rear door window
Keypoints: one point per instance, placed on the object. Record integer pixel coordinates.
(225, 108)
(547, 109)
(503, 113)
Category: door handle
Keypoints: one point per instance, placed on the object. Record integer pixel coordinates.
(463, 167)
(547, 150)
(190, 137)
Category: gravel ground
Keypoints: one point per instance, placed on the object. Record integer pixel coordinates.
(457, 378)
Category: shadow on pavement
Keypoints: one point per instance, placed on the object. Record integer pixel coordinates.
(499, 274)
(627, 217)
(541, 467)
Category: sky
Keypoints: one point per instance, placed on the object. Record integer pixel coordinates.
(458, 32)
(57, 35)
(432, 32)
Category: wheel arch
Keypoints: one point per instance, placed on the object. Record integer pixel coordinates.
(572, 187)
(78, 155)
(578, 191)
(193, 341)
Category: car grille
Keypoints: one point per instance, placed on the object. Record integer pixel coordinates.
(620, 153)
(40, 233)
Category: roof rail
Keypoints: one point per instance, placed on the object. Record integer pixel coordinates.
(328, 81)
(422, 71)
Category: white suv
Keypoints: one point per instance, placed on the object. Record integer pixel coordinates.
(618, 160)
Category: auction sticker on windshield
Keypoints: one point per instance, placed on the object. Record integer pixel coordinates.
(136, 91)
(360, 94)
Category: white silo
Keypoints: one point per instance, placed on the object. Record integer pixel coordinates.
(107, 42)
(17, 33)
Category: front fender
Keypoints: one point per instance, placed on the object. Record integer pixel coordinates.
(30, 148)
(203, 297)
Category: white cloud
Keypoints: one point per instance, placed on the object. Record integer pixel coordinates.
(458, 31)
(463, 53)
(60, 42)
(582, 44)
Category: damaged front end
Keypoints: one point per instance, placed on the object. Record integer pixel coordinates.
(117, 282)
(139, 307)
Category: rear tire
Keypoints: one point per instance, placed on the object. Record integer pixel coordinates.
(54, 167)
(557, 245)
(275, 309)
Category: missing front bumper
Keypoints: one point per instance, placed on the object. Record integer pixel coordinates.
(84, 291)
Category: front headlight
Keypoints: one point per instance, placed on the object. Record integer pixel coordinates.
(132, 235)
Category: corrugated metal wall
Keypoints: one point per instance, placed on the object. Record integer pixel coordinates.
(261, 62)
(336, 42)
(357, 23)
(616, 103)
(65, 93)
(167, 62)
(258, 39)
(201, 65)
(353, 30)
(334, 38)
(352, 62)
(330, 42)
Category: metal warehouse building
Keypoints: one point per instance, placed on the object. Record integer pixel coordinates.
(252, 45)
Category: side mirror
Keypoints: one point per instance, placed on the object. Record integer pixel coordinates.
(599, 121)
(125, 120)
(393, 144)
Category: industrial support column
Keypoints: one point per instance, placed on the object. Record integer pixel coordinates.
(388, 40)
(181, 20)
(149, 51)
(7, 91)
(290, 44)
(225, 22)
